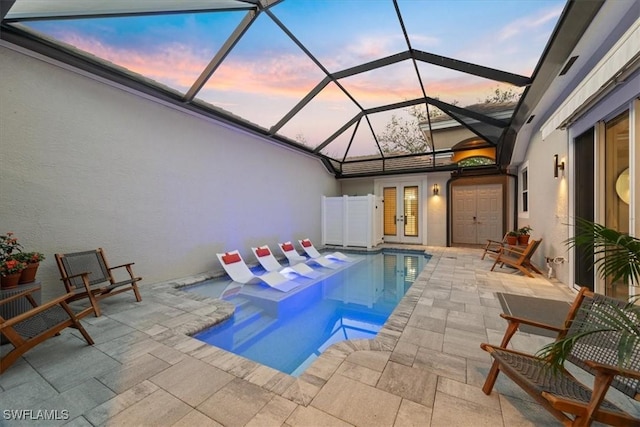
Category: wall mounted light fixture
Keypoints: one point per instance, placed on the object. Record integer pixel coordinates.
(436, 189)
(557, 166)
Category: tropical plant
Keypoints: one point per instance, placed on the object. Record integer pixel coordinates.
(616, 255)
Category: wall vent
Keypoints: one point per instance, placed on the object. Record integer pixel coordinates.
(568, 65)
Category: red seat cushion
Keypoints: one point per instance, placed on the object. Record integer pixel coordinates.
(262, 252)
(287, 247)
(231, 258)
(307, 243)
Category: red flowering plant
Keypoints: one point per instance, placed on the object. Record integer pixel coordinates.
(29, 257)
(11, 266)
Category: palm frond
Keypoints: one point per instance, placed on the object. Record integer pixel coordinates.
(617, 255)
(623, 322)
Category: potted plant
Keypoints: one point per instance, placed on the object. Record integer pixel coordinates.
(523, 234)
(9, 246)
(616, 255)
(512, 238)
(10, 271)
(32, 261)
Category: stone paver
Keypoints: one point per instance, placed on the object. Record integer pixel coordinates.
(425, 367)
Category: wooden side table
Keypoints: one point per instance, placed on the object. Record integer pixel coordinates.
(19, 306)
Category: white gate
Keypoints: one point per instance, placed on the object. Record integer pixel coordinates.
(352, 221)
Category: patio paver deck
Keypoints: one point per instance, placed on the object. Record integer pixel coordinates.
(425, 368)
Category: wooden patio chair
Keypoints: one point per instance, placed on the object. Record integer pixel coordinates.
(572, 402)
(88, 275)
(494, 246)
(518, 258)
(28, 329)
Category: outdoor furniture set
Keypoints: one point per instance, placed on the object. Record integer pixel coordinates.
(85, 275)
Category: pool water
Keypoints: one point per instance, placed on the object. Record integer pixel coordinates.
(287, 331)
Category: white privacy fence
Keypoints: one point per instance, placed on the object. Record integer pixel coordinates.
(352, 220)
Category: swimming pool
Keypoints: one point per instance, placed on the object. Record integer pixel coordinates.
(287, 331)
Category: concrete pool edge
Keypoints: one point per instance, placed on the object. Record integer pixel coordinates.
(300, 390)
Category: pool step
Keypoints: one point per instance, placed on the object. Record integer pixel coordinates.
(248, 321)
(245, 315)
(252, 329)
(238, 301)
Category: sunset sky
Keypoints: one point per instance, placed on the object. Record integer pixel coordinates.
(266, 74)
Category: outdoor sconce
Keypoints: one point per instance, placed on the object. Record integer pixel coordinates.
(557, 166)
(436, 189)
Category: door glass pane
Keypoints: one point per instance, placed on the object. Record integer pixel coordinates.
(617, 209)
(389, 195)
(411, 211)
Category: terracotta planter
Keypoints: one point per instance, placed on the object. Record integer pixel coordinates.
(523, 239)
(29, 274)
(512, 240)
(10, 281)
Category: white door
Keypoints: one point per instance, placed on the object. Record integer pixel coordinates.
(401, 222)
(476, 213)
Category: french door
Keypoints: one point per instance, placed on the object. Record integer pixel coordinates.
(402, 213)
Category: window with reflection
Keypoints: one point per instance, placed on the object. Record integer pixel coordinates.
(616, 187)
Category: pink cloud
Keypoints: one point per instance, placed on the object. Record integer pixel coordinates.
(174, 64)
(276, 75)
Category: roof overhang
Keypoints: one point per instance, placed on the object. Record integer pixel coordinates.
(598, 26)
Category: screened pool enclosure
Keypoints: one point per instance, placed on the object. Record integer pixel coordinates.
(369, 87)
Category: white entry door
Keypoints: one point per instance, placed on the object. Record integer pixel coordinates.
(476, 213)
(402, 213)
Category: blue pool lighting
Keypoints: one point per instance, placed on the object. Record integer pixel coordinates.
(287, 331)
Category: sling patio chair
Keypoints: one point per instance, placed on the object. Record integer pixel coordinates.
(238, 270)
(494, 246)
(308, 247)
(270, 263)
(28, 329)
(294, 257)
(594, 324)
(518, 258)
(88, 275)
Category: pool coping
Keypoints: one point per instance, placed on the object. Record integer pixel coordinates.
(301, 389)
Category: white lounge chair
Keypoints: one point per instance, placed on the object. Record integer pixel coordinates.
(295, 258)
(308, 247)
(237, 269)
(270, 263)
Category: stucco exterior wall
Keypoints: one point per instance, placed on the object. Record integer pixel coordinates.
(357, 186)
(436, 208)
(85, 165)
(548, 213)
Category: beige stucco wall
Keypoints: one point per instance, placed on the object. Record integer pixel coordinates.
(85, 164)
(436, 208)
(548, 200)
(357, 186)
